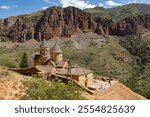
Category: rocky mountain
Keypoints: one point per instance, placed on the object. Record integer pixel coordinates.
(54, 22)
(64, 22)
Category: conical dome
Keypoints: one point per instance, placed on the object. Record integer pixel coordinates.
(43, 44)
(56, 49)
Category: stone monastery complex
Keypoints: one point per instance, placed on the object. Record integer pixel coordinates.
(51, 61)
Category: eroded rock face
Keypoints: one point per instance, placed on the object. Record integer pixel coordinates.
(132, 25)
(57, 22)
(64, 22)
(19, 28)
(106, 25)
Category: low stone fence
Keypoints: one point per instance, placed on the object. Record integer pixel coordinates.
(26, 71)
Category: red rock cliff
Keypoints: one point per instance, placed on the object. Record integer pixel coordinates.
(57, 21)
(132, 25)
(63, 22)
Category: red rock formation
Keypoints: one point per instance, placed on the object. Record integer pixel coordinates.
(132, 25)
(57, 21)
(19, 28)
(63, 22)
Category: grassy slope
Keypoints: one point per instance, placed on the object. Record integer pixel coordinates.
(120, 12)
(102, 61)
(12, 57)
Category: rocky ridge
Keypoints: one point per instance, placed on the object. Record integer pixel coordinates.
(64, 22)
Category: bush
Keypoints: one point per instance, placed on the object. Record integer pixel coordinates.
(40, 89)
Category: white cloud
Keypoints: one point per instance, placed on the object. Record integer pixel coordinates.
(101, 5)
(5, 7)
(45, 7)
(82, 4)
(110, 3)
(52, 2)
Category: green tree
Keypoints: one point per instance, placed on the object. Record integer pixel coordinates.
(24, 61)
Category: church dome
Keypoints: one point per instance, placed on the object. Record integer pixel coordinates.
(44, 44)
(56, 49)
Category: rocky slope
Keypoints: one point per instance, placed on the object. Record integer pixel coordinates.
(132, 25)
(63, 22)
(19, 28)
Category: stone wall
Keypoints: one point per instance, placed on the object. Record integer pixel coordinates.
(90, 79)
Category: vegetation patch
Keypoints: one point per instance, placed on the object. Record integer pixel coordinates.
(120, 12)
(12, 57)
(140, 79)
(40, 89)
(102, 61)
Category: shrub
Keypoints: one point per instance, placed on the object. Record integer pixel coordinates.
(40, 89)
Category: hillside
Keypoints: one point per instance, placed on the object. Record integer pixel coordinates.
(121, 12)
(10, 57)
(105, 58)
(116, 92)
(119, 91)
(11, 88)
(110, 60)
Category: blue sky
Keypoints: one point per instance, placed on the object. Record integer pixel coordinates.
(17, 7)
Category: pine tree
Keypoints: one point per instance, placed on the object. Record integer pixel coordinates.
(24, 61)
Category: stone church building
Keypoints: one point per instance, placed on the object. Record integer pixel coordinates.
(52, 62)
